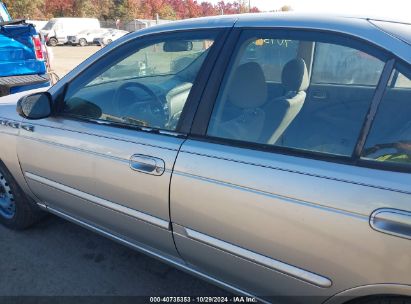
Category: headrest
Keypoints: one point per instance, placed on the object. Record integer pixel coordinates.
(248, 88)
(295, 75)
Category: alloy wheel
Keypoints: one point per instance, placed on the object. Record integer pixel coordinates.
(7, 204)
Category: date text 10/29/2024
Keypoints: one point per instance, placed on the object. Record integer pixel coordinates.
(233, 299)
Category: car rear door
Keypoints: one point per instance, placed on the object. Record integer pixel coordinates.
(288, 220)
(105, 158)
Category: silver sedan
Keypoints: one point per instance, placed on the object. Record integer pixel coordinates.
(269, 154)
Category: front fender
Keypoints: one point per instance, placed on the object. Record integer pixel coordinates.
(9, 134)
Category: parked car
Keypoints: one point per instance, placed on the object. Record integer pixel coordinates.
(38, 24)
(57, 30)
(109, 37)
(87, 36)
(274, 163)
(22, 56)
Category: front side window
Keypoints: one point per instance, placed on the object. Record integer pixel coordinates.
(295, 112)
(145, 86)
(389, 140)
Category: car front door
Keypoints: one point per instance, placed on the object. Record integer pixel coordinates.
(274, 213)
(105, 157)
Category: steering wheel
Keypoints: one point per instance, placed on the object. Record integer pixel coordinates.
(153, 111)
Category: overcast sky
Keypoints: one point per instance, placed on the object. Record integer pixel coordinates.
(393, 9)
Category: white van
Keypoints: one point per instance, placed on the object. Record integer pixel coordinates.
(57, 29)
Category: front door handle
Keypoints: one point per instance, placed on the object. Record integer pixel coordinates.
(392, 221)
(147, 164)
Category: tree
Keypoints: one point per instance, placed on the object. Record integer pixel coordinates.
(130, 9)
(167, 12)
(151, 8)
(25, 9)
(243, 6)
(59, 8)
(235, 7)
(207, 9)
(178, 7)
(104, 9)
(193, 9)
(125, 9)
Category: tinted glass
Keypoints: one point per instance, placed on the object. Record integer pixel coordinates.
(271, 55)
(49, 25)
(337, 64)
(293, 113)
(390, 136)
(147, 87)
(402, 81)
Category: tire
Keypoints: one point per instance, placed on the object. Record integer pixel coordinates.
(382, 300)
(17, 212)
(52, 42)
(82, 42)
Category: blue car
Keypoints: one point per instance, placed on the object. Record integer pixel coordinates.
(22, 56)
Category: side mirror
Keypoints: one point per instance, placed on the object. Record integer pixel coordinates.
(35, 106)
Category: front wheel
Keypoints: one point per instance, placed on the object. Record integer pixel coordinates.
(52, 42)
(16, 211)
(82, 42)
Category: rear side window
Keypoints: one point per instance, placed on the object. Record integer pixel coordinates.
(390, 136)
(399, 80)
(337, 64)
(293, 112)
(271, 55)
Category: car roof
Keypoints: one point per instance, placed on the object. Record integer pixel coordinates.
(361, 27)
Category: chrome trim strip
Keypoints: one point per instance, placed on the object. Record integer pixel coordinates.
(184, 150)
(273, 195)
(102, 155)
(173, 262)
(102, 202)
(276, 265)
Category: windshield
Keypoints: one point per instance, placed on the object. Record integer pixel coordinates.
(49, 25)
(4, 15)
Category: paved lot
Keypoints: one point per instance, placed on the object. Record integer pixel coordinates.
(57, 258)
(68, 57)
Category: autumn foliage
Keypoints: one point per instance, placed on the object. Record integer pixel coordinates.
(124, 9)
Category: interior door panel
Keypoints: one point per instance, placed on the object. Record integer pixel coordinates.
(330, 119)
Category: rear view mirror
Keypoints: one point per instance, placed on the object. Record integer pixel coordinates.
(177, 46)
(35, 106)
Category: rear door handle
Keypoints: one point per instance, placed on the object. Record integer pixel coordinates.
(392, 221)
(147, 164)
